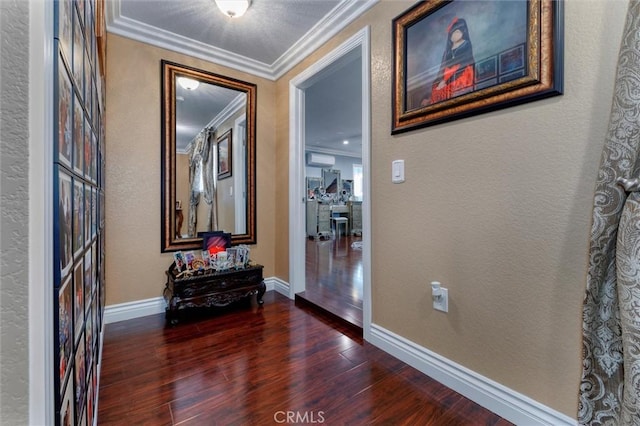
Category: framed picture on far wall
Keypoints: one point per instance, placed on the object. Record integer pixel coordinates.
(224, 155)
(450, 62)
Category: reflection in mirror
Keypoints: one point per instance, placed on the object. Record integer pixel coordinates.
(314, 187)
(208, 157)
(331, 181)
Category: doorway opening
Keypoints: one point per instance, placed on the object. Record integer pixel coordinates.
(329, 241)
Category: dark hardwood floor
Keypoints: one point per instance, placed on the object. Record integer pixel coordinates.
(257, 365)
(333, 280)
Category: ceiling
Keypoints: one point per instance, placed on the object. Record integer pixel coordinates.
(271, 38)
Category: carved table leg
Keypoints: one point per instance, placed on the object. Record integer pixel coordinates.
(261, 289)
(171, 317)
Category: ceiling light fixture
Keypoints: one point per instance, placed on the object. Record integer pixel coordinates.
(188, 83)
(233, 8)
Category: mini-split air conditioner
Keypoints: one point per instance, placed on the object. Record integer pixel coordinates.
(320, 160)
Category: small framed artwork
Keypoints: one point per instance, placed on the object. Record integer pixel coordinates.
(96, 323)
(90, 398)
(450, 62)
(224, 155)
(87, 149)
(78, 300)
(94, 212)
(94, 268)
(93, 169)
(65, 110)
(215, 242)
(67, 404)
(189, 258)
(78, 217)
(87, 214)
(65, 327)
(87, 80)
(65, 222)
(78, 136)
(78, 49)
(180, 261)
(81, 375)
(88, 337)
(88, 272)
(102, 209)
(65, 20)
(206, 258)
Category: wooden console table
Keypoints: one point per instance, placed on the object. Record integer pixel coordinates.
(211, 289)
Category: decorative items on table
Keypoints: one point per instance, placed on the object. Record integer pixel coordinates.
(192, 263)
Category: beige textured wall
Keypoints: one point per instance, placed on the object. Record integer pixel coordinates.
(134, 265)
(17, 326)
(497, 207)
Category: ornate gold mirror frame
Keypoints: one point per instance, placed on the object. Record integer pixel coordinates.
(171, 239)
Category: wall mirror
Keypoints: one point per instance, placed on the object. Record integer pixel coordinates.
(314, 186)
(208, 157)
(331, 181)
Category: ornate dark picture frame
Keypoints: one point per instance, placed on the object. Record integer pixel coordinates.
(455, 59)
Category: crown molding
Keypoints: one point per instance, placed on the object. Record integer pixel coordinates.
(335, 21)
(237, 104)
(155, 36)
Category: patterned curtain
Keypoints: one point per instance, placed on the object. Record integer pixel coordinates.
(610, 387)
(195, 170)
(209, 191)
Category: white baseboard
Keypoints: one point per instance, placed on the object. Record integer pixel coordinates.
(135, 309)
(275, 283)
(505, 402)
(156, 305)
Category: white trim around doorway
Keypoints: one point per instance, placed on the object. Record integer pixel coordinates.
(360, 40)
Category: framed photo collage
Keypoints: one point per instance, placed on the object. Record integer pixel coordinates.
(78, 240)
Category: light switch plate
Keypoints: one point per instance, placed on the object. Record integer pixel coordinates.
(397, 171)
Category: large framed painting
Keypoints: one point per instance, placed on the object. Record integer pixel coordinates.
(456, 58)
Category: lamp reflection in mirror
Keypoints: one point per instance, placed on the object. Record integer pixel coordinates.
(233, 8)
(188, 83)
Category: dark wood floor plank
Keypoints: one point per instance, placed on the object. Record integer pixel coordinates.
(334, 277)
(245, 366)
